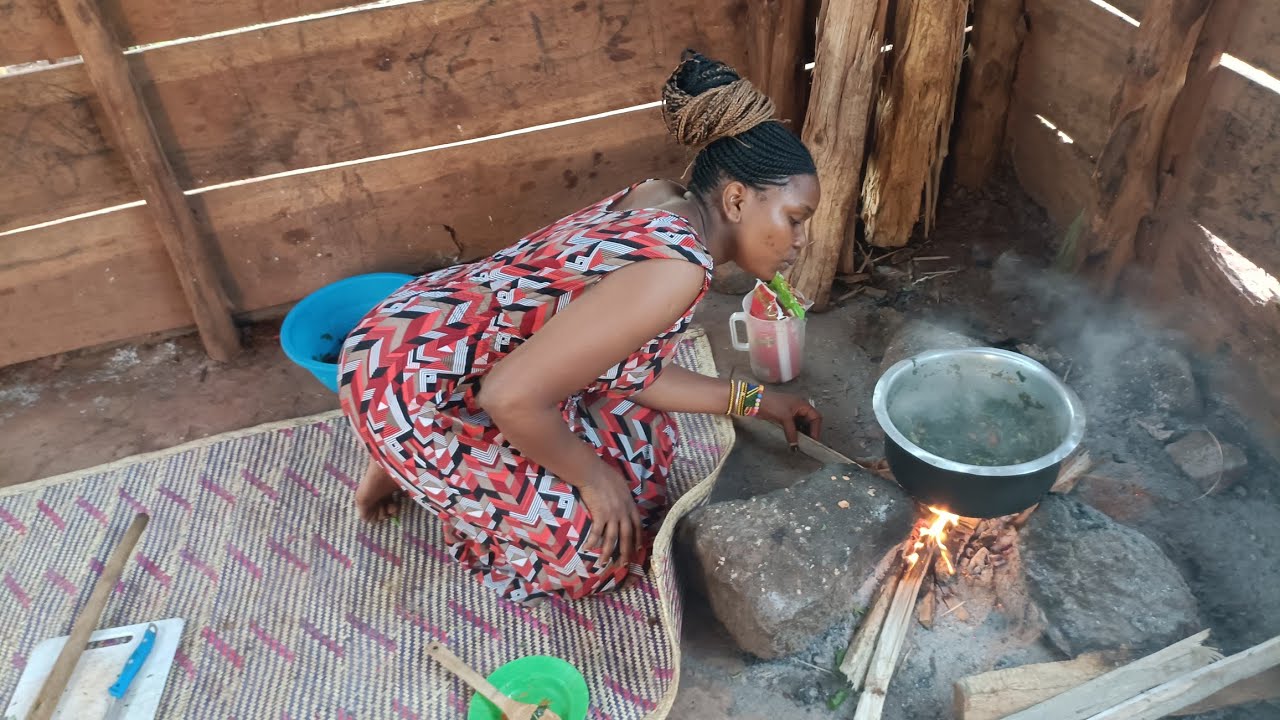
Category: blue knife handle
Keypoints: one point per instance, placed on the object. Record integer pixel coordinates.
(134, 664)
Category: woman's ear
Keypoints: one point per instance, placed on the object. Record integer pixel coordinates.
(732, 199)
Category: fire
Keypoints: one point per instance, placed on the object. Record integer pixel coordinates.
(936, 533)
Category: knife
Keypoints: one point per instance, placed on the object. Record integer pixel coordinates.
(129, 672)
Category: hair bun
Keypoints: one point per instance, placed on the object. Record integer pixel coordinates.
(705, 100)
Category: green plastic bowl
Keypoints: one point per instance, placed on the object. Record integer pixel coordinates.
(534, 679)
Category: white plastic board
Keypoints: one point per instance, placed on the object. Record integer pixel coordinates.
(86, 695)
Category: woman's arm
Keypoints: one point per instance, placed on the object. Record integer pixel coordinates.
(522, 393)
(678, 389)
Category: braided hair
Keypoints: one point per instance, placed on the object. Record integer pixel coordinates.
(707, 105)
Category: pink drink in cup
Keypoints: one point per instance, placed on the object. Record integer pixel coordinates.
(776, 347)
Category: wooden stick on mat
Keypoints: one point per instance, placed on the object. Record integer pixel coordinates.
(47, 700)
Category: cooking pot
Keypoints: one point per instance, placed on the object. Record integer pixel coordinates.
(979, 432)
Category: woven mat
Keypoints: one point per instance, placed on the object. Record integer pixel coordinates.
(295, 609)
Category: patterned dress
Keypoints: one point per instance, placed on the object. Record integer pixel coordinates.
(410, 373)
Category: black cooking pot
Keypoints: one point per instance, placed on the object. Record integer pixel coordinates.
(979, 432)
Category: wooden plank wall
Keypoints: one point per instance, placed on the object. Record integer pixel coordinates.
(1228, 186)
(299, 96)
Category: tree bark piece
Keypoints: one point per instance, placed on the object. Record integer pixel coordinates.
(1196, 685)
(994, 44)
(1124, 682)
(131, 128)
(51, 691)
(996, 694)
(1125, 176)
(913, 120)
(777, 36)
(845, 77)
(893, 634)
(857, 659)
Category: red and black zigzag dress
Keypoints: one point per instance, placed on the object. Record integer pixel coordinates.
(411, 370)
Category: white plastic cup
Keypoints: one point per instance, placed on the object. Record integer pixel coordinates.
(776, 347)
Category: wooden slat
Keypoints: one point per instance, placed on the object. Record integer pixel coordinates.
(369, 83)
(34, 29)
(1054, 173)
(1071, 65)
(85, 283)
(54, 160)
(106, 278)
(283, 238)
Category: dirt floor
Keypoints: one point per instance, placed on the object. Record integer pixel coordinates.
(83, 409)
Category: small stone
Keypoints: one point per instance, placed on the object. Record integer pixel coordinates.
(1102, 585)
(844, 504)
(1213, 464)
(753, 594)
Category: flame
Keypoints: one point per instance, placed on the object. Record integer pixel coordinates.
(936, 533)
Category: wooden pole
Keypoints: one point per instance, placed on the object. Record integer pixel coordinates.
(47, 699)
(913, 120)
(131, 130)
(857, 659)
(1197, 685)
(845, 77)
(994, 44)
(892, 637)
(777, 37)
(1125, 175)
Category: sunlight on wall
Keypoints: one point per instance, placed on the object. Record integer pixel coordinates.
(1065, 138)
(1257, 284)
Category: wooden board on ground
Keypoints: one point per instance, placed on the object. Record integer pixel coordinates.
(283, 238)
(358, 85)
(993, 695)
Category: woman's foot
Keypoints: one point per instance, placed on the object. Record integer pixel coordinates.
(378, 496)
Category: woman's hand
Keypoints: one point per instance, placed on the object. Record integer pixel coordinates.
(791, 412)
(615, 518)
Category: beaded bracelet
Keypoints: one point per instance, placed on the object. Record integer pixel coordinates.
(744, 398)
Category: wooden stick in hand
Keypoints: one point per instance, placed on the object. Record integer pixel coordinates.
(47, 699)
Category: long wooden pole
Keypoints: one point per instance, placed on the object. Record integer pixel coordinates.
(998, 29)
(132, 131)
(777, 36)
(47, 699)
(1125, 177)
(845, 79)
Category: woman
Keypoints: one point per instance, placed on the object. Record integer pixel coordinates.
(524, 398)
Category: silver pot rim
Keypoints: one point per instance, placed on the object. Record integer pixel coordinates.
(1074, 408)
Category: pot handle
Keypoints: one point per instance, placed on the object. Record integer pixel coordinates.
(738, 342)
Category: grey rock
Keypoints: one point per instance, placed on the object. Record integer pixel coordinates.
(780, 568)
(1100, 584)
(1148, 376)
(1213, 464)
(916, 337)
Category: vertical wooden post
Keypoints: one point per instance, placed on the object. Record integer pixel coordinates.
(845, 78)
(994, 44)
(1126, 175)
(913, 121)
(130, 128)
(777, 37)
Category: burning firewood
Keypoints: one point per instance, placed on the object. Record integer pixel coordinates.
(877, 644)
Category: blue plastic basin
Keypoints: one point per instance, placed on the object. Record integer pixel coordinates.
(315, 328)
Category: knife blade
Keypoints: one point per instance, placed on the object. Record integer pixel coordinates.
(130, 670)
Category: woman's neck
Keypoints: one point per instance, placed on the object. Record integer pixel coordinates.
(710, 228)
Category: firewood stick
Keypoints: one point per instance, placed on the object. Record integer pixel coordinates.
(892, 636)
(1124, 682)
(858, 657)
(1196, 685)
(47, 699)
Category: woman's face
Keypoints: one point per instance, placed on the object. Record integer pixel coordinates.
(770, 224)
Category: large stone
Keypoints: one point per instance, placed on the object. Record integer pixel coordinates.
(1142, 375)
(1132, 493)
(781, 568)
(1213, 464)
(916, 337)
(1100, 584)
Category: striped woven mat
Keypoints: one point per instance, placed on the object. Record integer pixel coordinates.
(296, 609)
